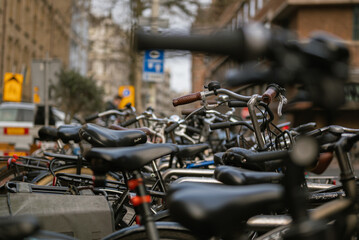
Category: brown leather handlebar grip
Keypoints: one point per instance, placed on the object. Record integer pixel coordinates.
(269, 94)
(324, 161)
(187, 99)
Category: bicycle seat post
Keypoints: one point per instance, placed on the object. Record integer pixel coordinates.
(296, 199)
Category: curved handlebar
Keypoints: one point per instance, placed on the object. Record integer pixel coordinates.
(237, 104)
(226, 43)
(200, 95)
(221, 125)
(91, 117)
(129, 122)
(171, 127)
(187, 99)
(189, 111)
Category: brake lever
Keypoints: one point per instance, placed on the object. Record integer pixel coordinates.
(194, 112)
(282, 100)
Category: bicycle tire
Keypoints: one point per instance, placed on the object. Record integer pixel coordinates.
(48, 179)
(165, 232)
(11, 174)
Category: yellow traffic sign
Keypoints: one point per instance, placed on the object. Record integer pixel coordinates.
(128, 95)
(36, 96)
(13, 87)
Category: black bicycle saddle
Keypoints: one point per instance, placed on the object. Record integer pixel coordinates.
(69, 132)
(129, 158)
(239, 176)
(48, 134)
(99, 136)
(185, 151)
(217, 210)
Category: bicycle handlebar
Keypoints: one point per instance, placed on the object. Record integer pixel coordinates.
(129, 122)
(91, 117)
(269, 95)
(187, 99)
(171, 127)
(221, 125)
(226, 43)
(102, 114)
(189, 111)
(237, 104)
(193, 129)
(200, 95)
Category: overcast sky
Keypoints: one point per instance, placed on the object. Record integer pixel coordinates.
(179, 64)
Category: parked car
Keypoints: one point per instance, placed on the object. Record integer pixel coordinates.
(19, 123)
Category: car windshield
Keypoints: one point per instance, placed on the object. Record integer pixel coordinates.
(16, 115)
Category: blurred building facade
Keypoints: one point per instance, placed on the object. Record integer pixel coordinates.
(79, 36)
(108, 56)
(39, 29)
(164, 96)
(338, 17)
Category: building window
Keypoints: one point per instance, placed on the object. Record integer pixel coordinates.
(356, 23)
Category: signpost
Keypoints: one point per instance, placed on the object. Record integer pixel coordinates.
(128, 95)
(153, 66)
(13, 87)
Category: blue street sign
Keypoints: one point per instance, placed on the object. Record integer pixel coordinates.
(126, 92)
(153, 65)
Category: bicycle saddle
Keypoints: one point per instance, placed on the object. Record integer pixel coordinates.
(185, 151)
(239, 176)
(69, 132)
(217, 158)
(118, 127)
(129, 158)
(248, 159)
(48, 134)
(99, 136)
(211, 210)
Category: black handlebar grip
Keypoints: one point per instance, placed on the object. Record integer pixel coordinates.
(171, 127)
(223, 42)
(193, 129)
(351, 141)
(189, 111)
(92, 117)
(220, 125)
(128, 122)
(305, 127)
(187, 99)
(237, 104)
(267, 156)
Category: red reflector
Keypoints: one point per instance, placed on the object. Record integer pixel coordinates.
(138, 200)
(16, 131)
(285, 128)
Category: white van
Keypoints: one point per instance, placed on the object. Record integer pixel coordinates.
(19, 123)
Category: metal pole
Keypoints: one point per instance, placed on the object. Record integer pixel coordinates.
(154, 29)
(154, 15)
(2, 62)
(46, 92)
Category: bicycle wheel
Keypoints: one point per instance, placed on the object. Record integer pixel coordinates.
(166, 230)
(48, 178)
(11, 175)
